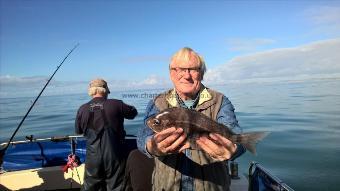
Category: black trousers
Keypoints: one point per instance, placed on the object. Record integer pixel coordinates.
(138, 172)
(104, 164)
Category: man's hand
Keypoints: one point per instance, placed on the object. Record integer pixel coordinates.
(218, 147)
(168, 141)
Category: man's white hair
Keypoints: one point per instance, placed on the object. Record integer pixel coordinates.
(94, 90)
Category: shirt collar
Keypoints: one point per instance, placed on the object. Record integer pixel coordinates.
(202, 97)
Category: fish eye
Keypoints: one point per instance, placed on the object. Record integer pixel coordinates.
(156, 122)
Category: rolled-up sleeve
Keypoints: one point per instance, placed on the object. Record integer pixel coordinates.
(145, 133)
(226, 116)
(129, 112)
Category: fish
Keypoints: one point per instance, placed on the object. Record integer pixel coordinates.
(196, 124)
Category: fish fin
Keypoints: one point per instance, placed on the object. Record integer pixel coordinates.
(250, 147)
(249, 140)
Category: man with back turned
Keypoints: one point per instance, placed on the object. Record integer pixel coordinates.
(101, 121)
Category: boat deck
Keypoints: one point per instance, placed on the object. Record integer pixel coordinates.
(51, 178)
(37, 165)
(239, 184)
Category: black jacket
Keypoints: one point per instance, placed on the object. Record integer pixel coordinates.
(115, 112)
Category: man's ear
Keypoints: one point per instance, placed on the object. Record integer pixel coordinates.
(171, 76)
(201, 77)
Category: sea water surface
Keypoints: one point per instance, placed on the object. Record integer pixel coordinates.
(303, 148)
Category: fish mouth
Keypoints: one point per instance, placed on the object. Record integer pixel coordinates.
(150, 124)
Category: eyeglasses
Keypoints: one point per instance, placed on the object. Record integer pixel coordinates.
(181, 71)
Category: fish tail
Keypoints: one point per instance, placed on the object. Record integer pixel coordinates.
(249, 140)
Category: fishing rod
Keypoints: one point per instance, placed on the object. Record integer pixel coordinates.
(2, 151)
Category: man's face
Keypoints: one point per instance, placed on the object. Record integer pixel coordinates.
(186, 77)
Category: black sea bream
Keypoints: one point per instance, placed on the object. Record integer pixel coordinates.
(195, 124)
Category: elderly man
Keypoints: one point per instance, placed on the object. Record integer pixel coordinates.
(101, 121)
(176, 166)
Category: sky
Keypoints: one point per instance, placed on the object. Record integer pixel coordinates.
(130, 43)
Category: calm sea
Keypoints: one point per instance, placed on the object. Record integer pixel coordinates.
(303, 148)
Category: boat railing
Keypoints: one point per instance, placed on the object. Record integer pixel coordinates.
(54, 139)
(260, 179)
(53, 151)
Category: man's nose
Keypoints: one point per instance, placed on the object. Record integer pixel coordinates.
(186, 73)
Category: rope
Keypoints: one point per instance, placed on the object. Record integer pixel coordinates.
(72, 162)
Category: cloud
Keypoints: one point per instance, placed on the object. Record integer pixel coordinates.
(14, 86)
(325, 19)
(9, 80)
(242, 44)
(324, 15)
(316, 60)
(152, 81)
